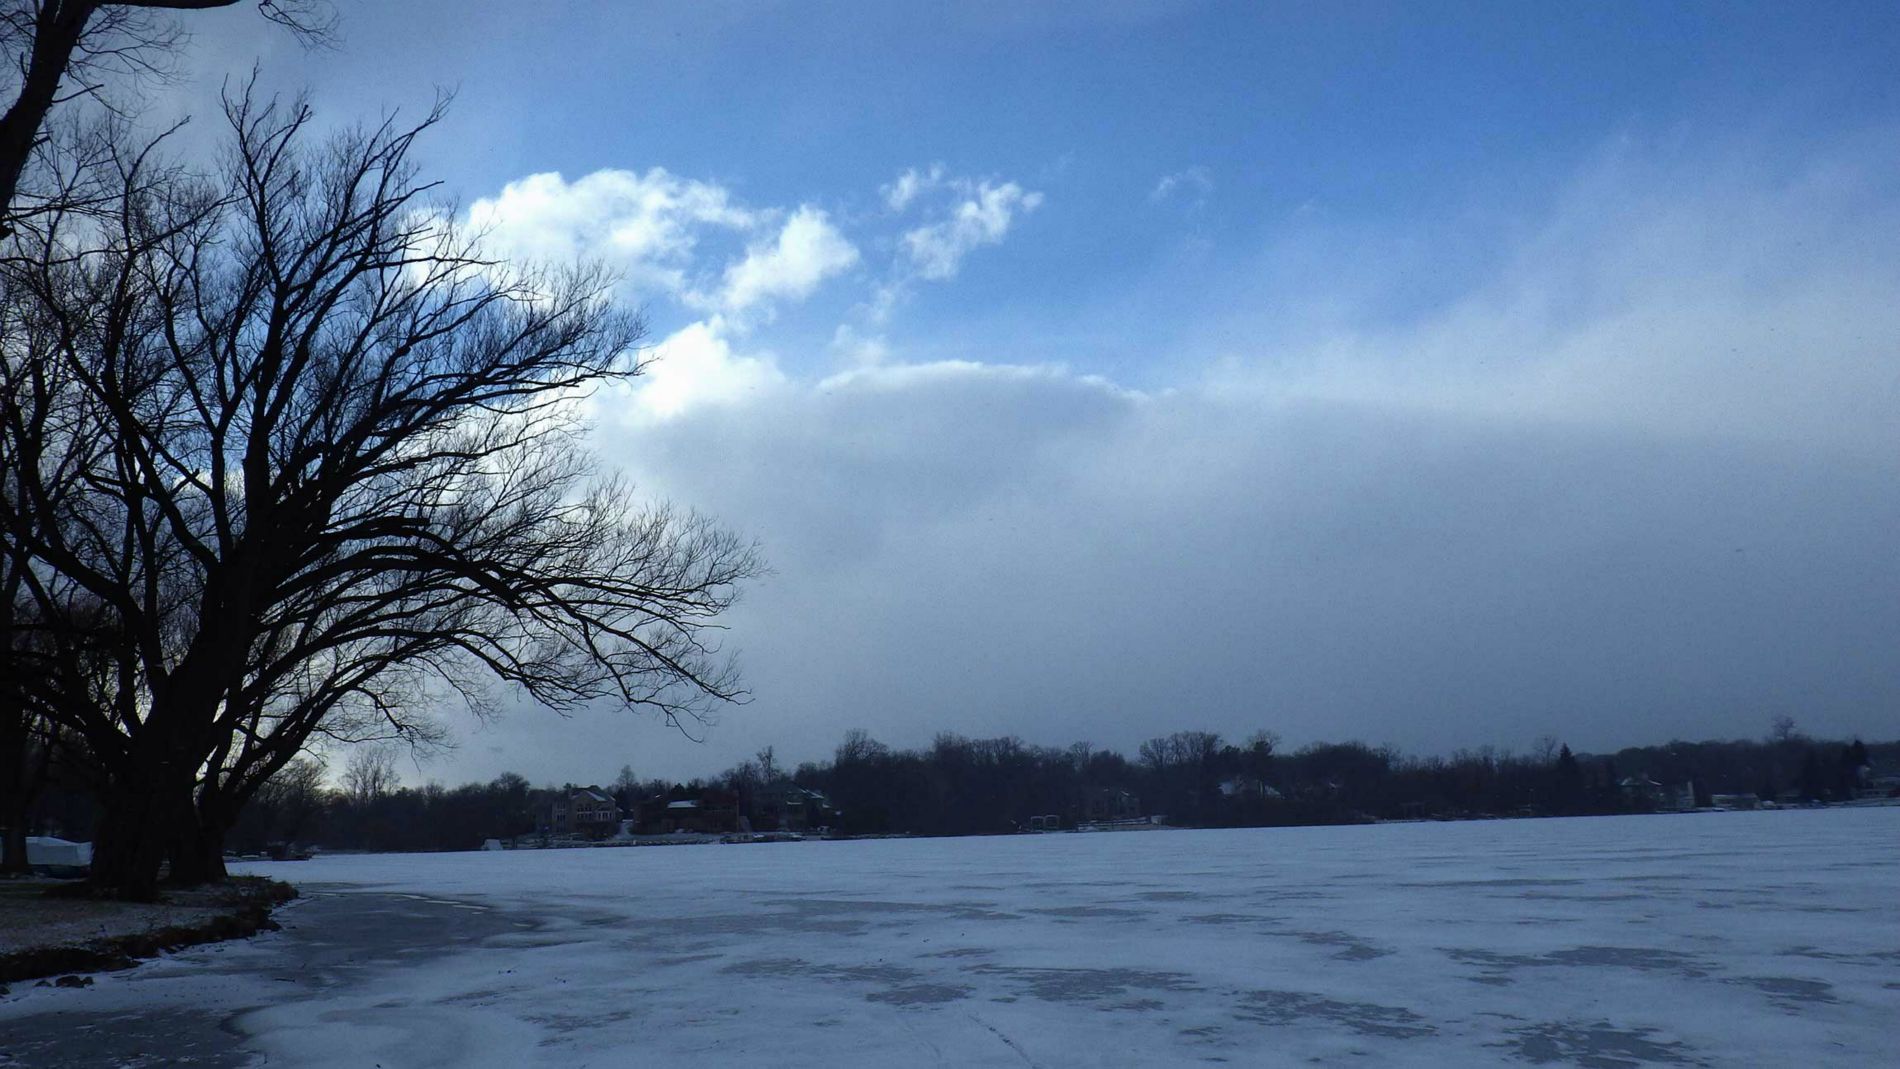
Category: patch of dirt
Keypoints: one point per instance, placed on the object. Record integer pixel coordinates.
(48, 928)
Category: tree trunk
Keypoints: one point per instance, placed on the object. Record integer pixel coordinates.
(197, 848)
(129, 844)
(140, 818)
(16, 789)
(16, 796)
(15, 862)
(197, 857)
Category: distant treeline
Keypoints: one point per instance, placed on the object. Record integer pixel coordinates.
(965, 786)
(961, 786)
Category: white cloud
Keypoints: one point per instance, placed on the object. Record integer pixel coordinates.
(936, 251)
(697, 366)
(807, 251)
(653, 227)
(646, 225)
(859, 350)
(899, 194)
(1192, 185)
(1647, 300)
(884, 302)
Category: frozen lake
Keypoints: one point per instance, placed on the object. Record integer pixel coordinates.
(1707, 939)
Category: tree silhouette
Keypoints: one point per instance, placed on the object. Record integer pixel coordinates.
(318, 459)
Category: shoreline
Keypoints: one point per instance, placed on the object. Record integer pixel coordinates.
(75, 935)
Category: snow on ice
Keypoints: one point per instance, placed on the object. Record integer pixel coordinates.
(1698, 940)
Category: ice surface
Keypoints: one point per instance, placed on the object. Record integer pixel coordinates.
(1701, 939)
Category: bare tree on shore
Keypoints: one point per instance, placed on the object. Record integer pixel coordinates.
(320, 462)
(59, 53)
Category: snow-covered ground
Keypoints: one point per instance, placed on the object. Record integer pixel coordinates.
(1706, 939)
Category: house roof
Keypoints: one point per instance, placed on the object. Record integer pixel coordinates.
(684, 803)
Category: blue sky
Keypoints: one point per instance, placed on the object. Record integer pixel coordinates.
(1364, 116)
(1439, 374)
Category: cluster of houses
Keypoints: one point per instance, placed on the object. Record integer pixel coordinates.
(1100, 808)
(595, 813)
(1645, 793)
(1870, 785)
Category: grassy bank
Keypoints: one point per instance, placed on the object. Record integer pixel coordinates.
(49, 927)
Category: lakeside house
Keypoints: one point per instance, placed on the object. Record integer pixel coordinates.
(1091, 807)
(785, 806)
(707, 812)
(1639, 791)
(779, 806)
(1871, 782)
(581, 812)
(1110, 803)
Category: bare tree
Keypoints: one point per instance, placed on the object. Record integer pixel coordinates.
(1079, 754)
(284, 806)
(626, 780)
(41, 677)
(1544, 750)
(62, 50)
(58, 665)
(1181, 750)
(26, 734)
(370, 774)
(322, 465)
(59, 51)
(859, 747)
